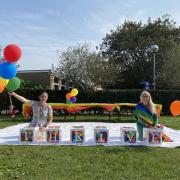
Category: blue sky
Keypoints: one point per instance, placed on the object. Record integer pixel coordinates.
(41, 27)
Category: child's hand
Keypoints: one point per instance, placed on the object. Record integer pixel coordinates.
(49, 123)
(146, 125)
(11, 93)
(42, 128)
(11, 107)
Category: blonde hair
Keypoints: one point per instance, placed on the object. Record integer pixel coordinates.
(150, 104)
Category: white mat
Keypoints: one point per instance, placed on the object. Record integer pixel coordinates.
(10, 135)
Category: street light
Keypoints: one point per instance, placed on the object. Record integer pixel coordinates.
(153, 49)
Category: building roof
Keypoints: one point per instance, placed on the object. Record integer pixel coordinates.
(33, 71)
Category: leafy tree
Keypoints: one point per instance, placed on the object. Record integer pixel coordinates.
(127, 48)
(85, 68)
(30, 85)
(169, 76)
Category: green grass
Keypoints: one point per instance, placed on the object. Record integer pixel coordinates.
(99, 162)
(172, 122)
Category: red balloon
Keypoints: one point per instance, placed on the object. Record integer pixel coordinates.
(12, 53)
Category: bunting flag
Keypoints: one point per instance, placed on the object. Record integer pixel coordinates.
(76, 107)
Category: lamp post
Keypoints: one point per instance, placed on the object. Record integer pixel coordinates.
(154, 49)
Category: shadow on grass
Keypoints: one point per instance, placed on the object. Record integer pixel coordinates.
(71, 120)
(14, 120)
(95, 120)
(119, 149)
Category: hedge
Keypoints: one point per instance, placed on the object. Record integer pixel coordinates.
(164, 97)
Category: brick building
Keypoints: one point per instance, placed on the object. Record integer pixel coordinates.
(43, 77)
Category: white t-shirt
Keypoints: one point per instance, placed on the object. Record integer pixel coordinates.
(41, 113)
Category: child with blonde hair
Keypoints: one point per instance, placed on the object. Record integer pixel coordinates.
(146, 114)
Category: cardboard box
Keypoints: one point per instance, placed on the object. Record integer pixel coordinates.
(152, 135)
(53, 135)
(27, 135)
(129, 135)
(77, 135)
(101, 134)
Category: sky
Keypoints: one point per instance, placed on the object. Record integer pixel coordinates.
(44, 28)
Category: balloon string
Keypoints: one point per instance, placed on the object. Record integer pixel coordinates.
(10, 99)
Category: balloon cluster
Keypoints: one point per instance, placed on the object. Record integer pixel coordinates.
(71, 96)
(12, 54)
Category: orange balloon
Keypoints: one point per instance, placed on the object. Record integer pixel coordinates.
(1, 87)
(175, 108)
(68, 95)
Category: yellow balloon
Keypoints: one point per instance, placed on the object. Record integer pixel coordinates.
(74, 92)
(4, 81)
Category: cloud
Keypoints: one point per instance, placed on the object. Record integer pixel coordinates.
(103, 21)
(37, 59)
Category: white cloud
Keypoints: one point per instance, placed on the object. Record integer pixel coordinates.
(102, 22)
(37, 59)
(27, 16)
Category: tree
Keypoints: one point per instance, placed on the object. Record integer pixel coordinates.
(30, 85)
(85, 68)
(169, 76)
(126, 47)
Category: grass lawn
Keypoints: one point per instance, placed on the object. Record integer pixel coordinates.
(69, 162)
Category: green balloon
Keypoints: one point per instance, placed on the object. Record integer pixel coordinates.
(68, 101)
(13, 84)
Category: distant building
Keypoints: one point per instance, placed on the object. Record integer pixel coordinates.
(43, 77)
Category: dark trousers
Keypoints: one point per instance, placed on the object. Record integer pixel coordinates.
(140, 131)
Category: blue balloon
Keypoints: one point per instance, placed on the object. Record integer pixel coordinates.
(7, 70)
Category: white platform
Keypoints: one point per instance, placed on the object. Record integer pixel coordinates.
(10, 135)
